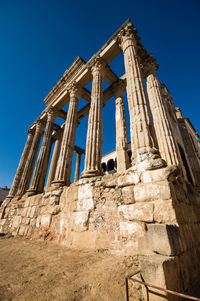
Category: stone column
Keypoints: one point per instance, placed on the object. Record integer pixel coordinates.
(77, 169)
(28, 169)
(54, 159)
(121, 129)
(143, 140)
(166, 141)
(95, 127)
(21, 165)
(39, 175)
(63, 170)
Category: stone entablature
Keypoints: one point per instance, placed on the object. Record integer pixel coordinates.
(150, 206)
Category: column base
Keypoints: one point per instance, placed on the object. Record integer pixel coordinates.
(147, 159)
(90, 173)
(31, 192)
(9, 197)
(58, 183)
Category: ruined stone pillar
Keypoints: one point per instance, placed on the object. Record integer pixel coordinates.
(95, 126)
(143, 140)
(121, 129)
(63, 170)
(21, 165)
(54, 159)
(77, 169)
(37, 184)
(165, 138)
(28, 169)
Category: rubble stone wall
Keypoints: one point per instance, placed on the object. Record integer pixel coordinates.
(151, 214)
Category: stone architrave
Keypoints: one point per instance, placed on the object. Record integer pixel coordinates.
(54, 159)
(166, 141)
(77, 168)
(37, 184)
(63, 170)
(143, 140)
(21, 165)
(95, 126)
(121, 129)
(28, 169)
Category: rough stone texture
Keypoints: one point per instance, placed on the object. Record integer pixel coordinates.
(164, 239)
(144, 219)
(140, 212)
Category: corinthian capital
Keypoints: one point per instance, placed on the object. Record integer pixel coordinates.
(98, 65)
(129, 32)
(119, 87)
(30, 132)
(39, 125)
(74, 88)
(52, 114)
(148, 65)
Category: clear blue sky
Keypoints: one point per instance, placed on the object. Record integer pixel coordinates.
(40, 40)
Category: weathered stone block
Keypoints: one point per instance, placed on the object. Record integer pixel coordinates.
(164, 239)
(137, 211)
(28, 212)
(131, 229)
(47, 195)
(26, 220)
(33, 222)
(161, 271)
(56, 192)
(33, 210)
(157, 175)
(24, 211)
(164, 212)
(56, 210)
(129, 179)
(128, 195)
(152, 191)
(22, 230)
(16, 221)
(53, 200)
(80, 221)
(45, 221)
(38, 221)
(32, 201)
(85, 198)
(27, 202)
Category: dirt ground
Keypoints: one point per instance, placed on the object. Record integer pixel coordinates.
(40, 270)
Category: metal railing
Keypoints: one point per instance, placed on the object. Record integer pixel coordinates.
(155, 287)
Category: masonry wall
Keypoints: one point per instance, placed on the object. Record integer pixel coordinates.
(152, 214)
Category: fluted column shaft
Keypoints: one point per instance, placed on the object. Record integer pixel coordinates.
(21, 165)
(77, 168)
(121, 131)
(95, 126)
(28, 169)
(37, 184)
(63, 170)
(141, 123)
(54, 160)
(166, 141)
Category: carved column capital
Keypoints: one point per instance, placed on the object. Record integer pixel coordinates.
(39, 125)
(52, 114)
(74, 89)
(30, 132)
(98, 66)
(119, 88)
(148, 65)
(127, 33)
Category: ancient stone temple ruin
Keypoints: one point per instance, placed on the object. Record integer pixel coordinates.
(149, 206)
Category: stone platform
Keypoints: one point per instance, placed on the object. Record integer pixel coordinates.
(152, 214)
